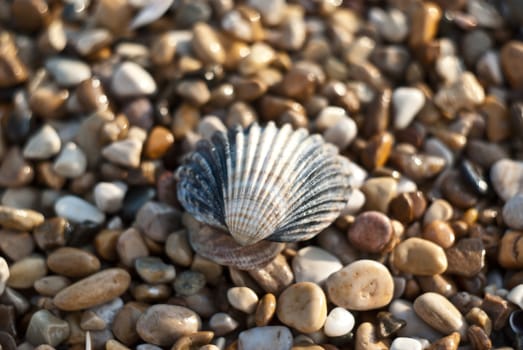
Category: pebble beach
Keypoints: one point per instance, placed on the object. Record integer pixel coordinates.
(102, 100)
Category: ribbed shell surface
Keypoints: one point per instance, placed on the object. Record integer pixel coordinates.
(260, 183)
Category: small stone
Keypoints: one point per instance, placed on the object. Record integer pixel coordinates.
(425, 21)
(265, 338)
(339, 322)
(302, 306)
(190, 282)
(414, 326)
(211, 270)
(131, 80)
(124, 323)
(195, 92)
(465, 93)
(78, 210)
(125, 152)
(313, 264)
(510, 253)
(71, 162)
(342, 133)
(512, 212)
(14, 170)
(96, 289)
(440, 209)
(272, 11)
(362, 285)
(68, 72)
(511, 62)
(109, 196)
(440, 313)
(371, 232)
(392, 25)
(46, 328)
(450, 342)
(92, 322)
(419, 257)
(43, 144)
(275, 276)
(243, 299)
(130, 246)
(4, 274)
(377, 151)
(206, 44)
(163, 324)
(222, 323)
(25, 272)
(388, 324)
(154, 270)
(265, 310)
(379, 191)
(90, 41)
(466, 258)
(52, 233)
(498, 309)
(49, 286)
(177, 248)
(367, 338)
(14, 70)
(157, 220)
(259, 57)
(402, 343)
(73, 262)
(328, 117)
(418, 167)
(408, 206)
(439, 232)
(209, 125)
(8, 342)
(407, 103)
(16, 245)
(158, 142)
(507, 178)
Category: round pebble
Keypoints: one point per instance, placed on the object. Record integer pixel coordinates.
(109, 196)
(77, 210)
(370, 232)
(440, 313)
(361, 285)
(339, 322)
(265, 310)
(131, 80)
(342, 133)
(243, 299)
(419, 257)
(126, 152)
(50, 285)
(73, 262)
(163, 324)
(43, 144)
(25, 272)
(507, 178)
(265, 338)
(154, 270)
(222, 323)
(403, 343)
(302, 306)
(313, 264)
(68, 72)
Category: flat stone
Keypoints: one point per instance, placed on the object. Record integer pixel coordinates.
(96, 289)
(243, 299)
(131, 80)
(71, 162)
(302, 306)
(440, 314)
(73, 262)
(466, 258)
(125, 152)
(313, 264)
(4, 274)
(153, 270)
(44, 144)
(339, 322)
(361, 285)
(46, 328)
(507, 178)
(265, 338)
(68, 72)
(163, 324)
(25, 272)
(407, 102)
(109, 196)
(78, 210)
(370, 232)
(419, 257)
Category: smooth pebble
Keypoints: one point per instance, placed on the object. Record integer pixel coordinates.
(25, 272)
(414, 326)
(78, 210)
(440, 313)
(516, 295)
(507, 178)
(125, 152)
(4, 274)
(342, 133)
(339, 322)
(403, 343)
(419, 257)
(314, 264)
(265, 338)
(513, 212)
(222, 323)
(407, 102)
(68, 72)
(44, 144)
(71, 162)
(46, 328)
(131, 80)
(109, 196)
(243, 299)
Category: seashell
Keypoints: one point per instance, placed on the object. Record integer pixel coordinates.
(258, 184)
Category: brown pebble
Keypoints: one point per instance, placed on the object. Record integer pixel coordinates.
(377, 119)
(105, 244)
(124, 323)
(377, 151)
(7, 341)
(130, 245)
(510, 253)
(115, 345)
(457, 192)
(438, 284)
(53, 233)
(425, 20)
(498, 309)
(151, 293)
(440, 314)
(91, 95)
(14, 170)
(511, 58)
(388, 324)
(379, 191)
(370, 232)
(7, 319)
(478, 339)
(73, 262)
(158, 142)
(450, 342)
(265, 310)
(46, 175)
(114, 15)
(192, 340)
(50, 285)
(439, 232)
(96, 289)
(479, 317)
(367, 338)
(25, 272)
(16, 245)
(272, 107)
(49, 102)
(13, 70)
(419, 257)
(206, 44)
(466, 258)
(29, 15)
(275, 276)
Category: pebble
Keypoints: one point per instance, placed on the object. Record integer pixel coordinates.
(25, 272)
(440, 209)
(361, 285)
(4, 274)
(177, 248)
(339, 322)
(50, 285)
(379, 191)
(158, 142)
(512, 210)
(419, 257)
(265, 310)
(407, 102)
(414, 326)
(16, 245)
(157, 220)
(71, 162)
(367, 338)
(73, 262)
(265, 338)
(511, 57)
(243, 299)
(440, 314)
(342, 133)
(131, 80)
(20, 219)
(190, 282)
(439, 232)
(44, 144)
(222, 323)
(313, 264)
(403, 343)
(109, 196)
(77, 210)
(464, 93)
(272, 11)
(93, 290)
(206, 44)
(130, 246)
(507, 178)
(466, 258)
(125, 152)
(516, 295)
(163, 324)
(14, 170)
(154, 270)
(302, 306)
(68, 72)
(46, 328)
(371, 232)
(510, 254)
(392, 25)
(328, 117)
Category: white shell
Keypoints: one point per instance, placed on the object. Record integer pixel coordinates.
(264, 183)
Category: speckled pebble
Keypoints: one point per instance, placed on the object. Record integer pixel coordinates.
(313, 264)
(265, 338)
(370, 232)
(76, 209)
(339, 322)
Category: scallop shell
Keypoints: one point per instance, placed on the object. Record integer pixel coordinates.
(264, 183)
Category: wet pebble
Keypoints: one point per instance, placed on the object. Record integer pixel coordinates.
(109, 196)
(73, 262)
(206, 44)
(163, 324)
(407, 102)
(43, 144)
(370, 232)
(24, 273)
(96, 289)
(265, 338)
(71, 162)
(68, 72)
(362, 285)
(440, 313)
(265, 310)
(339, 322)
(76, 209)
(313, 264)
(154, 270)
(131, 80)
(46, 328)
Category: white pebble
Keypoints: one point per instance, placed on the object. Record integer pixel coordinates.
(131, 80)
(68, 72)
(209, 125)
(4, 274)
(43, 144)
(243, 299)
(78, 210)
(328, 117)
(339, 322)
(516, 295)
(404, 343)
(109, 196)
(313, 264)
(265, 338)
(222, 323)
(71, 162)
(125, 152)
(342, 133)
(354, 203)
(407, 102)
